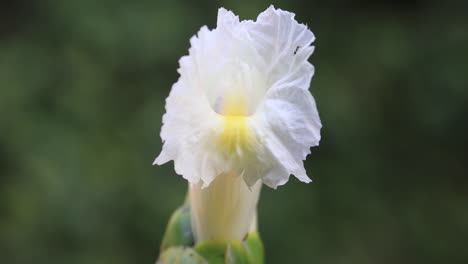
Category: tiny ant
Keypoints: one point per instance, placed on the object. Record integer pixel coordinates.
(297, 48)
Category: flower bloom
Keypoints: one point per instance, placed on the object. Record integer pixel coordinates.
(241, 115)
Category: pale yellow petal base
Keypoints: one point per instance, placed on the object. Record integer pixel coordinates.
(225, 210)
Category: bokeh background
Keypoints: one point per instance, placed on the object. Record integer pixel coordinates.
(82, 90)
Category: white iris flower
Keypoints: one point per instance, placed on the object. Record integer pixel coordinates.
(240, 115)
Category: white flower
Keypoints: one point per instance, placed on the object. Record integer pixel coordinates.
(240, 115)
(241, 104)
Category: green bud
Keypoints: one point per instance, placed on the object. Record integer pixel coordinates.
(179, 229)
(178, 245)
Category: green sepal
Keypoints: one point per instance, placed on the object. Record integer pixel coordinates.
(213, 252)
(190, 256)
(178, 246)
(179, 229)
(180, 255)
(235, 253)
(249, 251)
(170, 255)
(254, 248)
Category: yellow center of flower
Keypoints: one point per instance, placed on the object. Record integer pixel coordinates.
(237, 137)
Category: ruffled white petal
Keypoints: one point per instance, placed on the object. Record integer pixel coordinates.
(283, 44)
(293, 126)
(242, 103)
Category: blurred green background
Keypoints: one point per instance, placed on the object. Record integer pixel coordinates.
(82, 90)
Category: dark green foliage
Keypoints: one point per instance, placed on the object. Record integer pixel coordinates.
(82, 90)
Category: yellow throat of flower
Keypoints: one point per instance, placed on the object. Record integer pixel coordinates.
(237, 136)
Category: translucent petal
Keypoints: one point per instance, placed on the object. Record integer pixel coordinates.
(283, 44)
